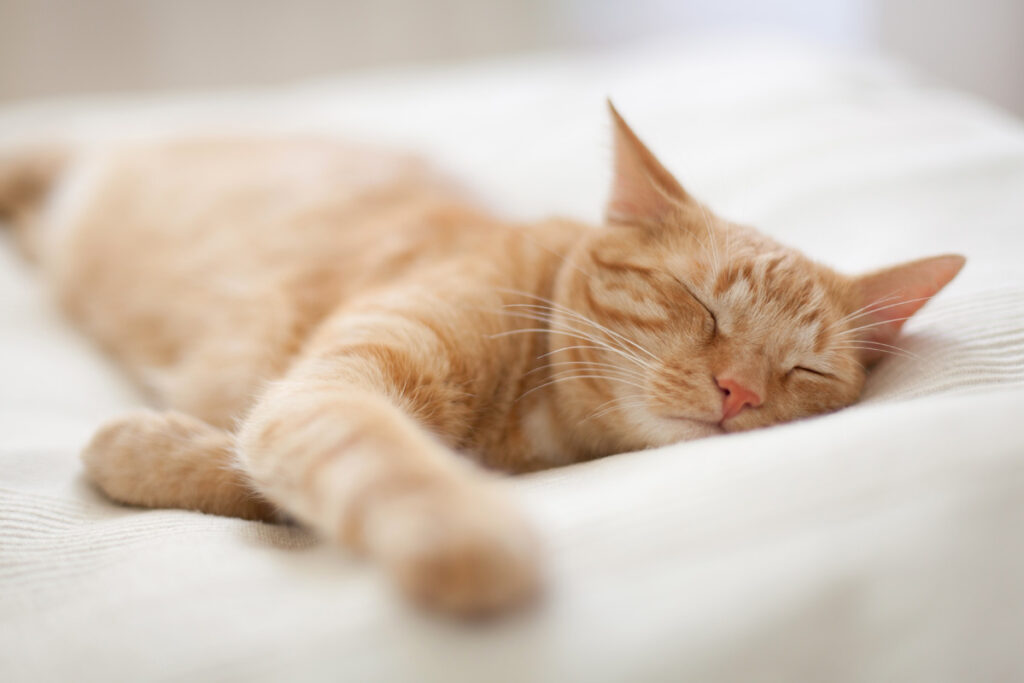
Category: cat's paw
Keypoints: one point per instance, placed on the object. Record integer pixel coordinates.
(465, 553)
(112, 457)
(171, 460)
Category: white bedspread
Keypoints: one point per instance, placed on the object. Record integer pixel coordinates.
(885, 542)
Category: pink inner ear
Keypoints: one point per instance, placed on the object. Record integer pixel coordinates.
(894, 294)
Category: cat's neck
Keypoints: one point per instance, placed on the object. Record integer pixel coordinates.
(564, 419)
(548, 421)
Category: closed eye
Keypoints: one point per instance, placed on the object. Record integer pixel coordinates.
(696, 298)
(819, 373)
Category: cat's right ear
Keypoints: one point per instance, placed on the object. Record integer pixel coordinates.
(890, 296)
(643, 192)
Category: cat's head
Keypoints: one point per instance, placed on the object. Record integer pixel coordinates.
(687, 324)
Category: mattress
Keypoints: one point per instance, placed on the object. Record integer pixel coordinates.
(882, 542)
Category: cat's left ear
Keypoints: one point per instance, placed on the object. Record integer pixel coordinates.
(892, 295)
(643, 192)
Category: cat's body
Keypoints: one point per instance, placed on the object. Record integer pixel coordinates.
(326, 327)
(281, 238)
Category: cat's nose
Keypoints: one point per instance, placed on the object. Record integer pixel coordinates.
(736, 397)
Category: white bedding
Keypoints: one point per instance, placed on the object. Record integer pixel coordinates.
(880, 543)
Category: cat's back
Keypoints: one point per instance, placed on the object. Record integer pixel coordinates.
(233, 218)
(176, 253)
(212, 188)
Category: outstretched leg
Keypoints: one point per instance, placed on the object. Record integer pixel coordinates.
(351, 465)
(350, 442)
(335, 444)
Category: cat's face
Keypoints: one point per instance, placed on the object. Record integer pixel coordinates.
(689, 325)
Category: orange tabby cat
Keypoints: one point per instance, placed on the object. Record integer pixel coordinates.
(326, 328)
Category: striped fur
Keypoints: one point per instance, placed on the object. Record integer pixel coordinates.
(326, 327)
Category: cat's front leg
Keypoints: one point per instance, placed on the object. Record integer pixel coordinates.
(331, 448)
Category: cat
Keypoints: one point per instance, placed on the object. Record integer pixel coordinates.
(338, 334)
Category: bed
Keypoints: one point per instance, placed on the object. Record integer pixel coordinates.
(883, 542)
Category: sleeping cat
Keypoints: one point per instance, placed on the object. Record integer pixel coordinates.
(337, 334)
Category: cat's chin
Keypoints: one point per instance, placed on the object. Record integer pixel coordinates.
(686, 429)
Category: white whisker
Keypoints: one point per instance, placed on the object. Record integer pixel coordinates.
(560, 326)
(570, 348)
(620, 403)
(599, 345)
(608, 373)
(578, 316)
(590, 364)
(878, 347)
(846, 333)
(711, 239)
(902, 302)
(863, 310)
(566, 379)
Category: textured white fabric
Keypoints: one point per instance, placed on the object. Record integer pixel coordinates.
(880, 543)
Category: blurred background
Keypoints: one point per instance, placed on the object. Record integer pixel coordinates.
(64, 47)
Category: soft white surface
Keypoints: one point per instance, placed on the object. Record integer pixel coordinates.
(881, 543)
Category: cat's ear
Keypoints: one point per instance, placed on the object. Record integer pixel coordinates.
(892, 295)
(642, 192)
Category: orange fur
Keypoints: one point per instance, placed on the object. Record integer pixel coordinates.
(326, 326)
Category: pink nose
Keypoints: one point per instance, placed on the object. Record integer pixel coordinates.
(736, 397)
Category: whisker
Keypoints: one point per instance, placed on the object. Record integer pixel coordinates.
(893, 305)
(863, 310)
(878, 347)
(590, 364)
(728, 246)
(612, 409)
(878, 343)
(570, 348)
(606, 347)
(566, 379)
(611, 400)
(711, 239)
(547, 318)
(578, 316)
(574, 371)
(621, 403)
(569, 330)
(544, 315)
(846, 333)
